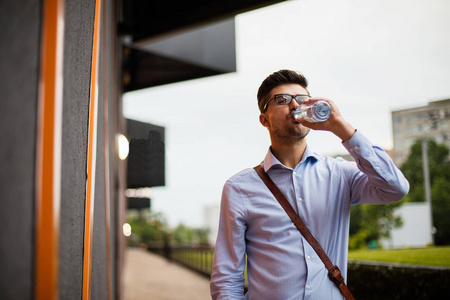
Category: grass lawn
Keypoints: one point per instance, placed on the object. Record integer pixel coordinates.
(431, 256)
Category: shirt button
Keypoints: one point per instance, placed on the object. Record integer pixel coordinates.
(308, 257)
(300, 199)
(295, 173)
(378, 168)
(308, 287)
(356, 147)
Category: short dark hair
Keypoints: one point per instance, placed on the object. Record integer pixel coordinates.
(278, 78)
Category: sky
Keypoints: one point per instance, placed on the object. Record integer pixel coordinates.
(369, 56)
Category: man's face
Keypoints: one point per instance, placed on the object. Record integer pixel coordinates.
(278, 118)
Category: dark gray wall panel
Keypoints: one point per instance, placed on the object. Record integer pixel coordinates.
(19, 73)
(77, 71)
(99, 275)
(111, 83)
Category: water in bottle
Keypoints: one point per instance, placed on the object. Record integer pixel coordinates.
(313, 112)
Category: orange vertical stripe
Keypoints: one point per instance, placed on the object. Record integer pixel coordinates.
(48, 151)
(91, 158)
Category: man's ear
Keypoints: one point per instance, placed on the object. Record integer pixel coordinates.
(263, 120)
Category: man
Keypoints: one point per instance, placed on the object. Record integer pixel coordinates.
(255, 229)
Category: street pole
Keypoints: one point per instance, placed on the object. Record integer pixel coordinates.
(426, 173)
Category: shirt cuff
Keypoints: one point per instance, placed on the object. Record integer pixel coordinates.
(358, 145)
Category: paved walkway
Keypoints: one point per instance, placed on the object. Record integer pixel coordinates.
(148, 276)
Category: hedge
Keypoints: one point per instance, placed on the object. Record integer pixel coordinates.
(375, 280)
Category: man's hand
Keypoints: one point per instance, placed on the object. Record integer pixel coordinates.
(335, 124)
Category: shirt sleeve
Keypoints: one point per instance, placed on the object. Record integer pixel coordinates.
(227, 277)
(378, 180)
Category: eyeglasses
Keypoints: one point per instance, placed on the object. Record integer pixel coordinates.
(286, 99)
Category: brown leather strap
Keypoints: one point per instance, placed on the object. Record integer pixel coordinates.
(333, 270)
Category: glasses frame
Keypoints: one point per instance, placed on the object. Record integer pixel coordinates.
(285, 103)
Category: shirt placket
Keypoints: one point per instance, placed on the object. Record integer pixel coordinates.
(296, 180)
(315, 268)
(308, 251)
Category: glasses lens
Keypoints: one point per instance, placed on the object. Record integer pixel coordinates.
(283, 99)
(301, 98)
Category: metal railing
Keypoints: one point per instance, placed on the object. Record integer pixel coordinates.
(197, 258)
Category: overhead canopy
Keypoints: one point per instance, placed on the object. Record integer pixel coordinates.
(167, 42)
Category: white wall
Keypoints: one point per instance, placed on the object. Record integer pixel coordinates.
(415, 231)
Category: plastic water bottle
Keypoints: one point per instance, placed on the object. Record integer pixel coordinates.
(313, 112)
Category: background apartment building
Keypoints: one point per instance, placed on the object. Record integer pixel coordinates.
(412, 124)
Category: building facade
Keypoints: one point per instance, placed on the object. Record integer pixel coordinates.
(409, 125)
(64, 66)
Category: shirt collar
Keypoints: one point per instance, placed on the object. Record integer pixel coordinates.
(270, 160)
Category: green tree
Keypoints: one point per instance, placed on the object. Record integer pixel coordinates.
(148, 227)
(369, 223)
(201, 235)
(412, 168)
(439, 167)
(184, 235)
(440, 195)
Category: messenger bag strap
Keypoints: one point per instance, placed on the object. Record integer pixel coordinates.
(333, 270)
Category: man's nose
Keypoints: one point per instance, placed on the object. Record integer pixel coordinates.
(294, 104)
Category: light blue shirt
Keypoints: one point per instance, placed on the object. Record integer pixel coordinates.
(281, 263)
